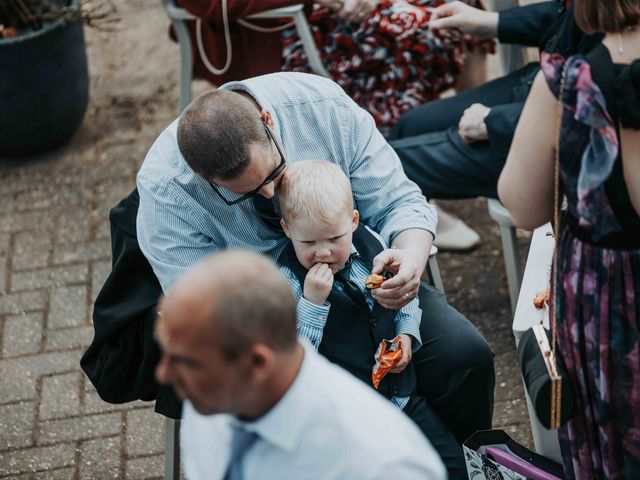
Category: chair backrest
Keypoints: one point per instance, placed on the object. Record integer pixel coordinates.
(179, 17)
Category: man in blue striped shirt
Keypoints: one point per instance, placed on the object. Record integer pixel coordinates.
(199, 184)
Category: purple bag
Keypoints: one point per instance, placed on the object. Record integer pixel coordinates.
(494, 455)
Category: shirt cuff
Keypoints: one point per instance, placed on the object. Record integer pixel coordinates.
(408, 323)
(311, 320)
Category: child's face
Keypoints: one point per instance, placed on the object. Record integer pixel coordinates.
(330, 244)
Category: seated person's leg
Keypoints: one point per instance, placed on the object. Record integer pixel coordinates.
(444, 166)
(454, 367)
(443, 114)
(449, 449)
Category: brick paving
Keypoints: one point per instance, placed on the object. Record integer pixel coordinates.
(55, 254)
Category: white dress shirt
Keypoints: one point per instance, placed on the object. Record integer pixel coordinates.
(181, 220)
(328, 425)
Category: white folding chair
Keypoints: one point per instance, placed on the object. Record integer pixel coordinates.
(512, 265)
(179, 16)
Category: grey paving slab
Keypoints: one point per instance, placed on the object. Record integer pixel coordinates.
(60, 396)
(145, 433)
(49, 277)
(22, 334)
(78, 428)
(3, 273)
(34, 459)
(100, 458)
(58, 474)
(73, 252)
(15, 303)
(73, 226)
(68, 307)
(16, 421)
(145, 468)
(19, 375)
(65, 338)
(5, 241)
(31, 249)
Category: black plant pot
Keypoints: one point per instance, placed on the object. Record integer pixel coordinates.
(44, 88)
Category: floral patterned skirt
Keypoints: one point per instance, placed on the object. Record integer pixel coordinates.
(391, 62)
(599, 340)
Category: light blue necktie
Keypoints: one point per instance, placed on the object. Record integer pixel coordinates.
(241, 441)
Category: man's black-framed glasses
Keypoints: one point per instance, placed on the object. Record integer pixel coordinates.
(272, 176)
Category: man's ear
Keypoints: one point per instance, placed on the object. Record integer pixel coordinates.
(355, 220)
(285, 228)
(266, 117)
(261, 362)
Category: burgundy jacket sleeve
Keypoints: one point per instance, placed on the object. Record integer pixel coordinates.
(212, 9)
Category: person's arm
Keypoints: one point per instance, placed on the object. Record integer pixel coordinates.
(528, 25)
(407, 323)
(630, 149)
(310, 318)
(390, 204)
(526, 183)
(167, 234)
(501, 122)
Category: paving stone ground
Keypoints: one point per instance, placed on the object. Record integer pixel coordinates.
(54, 256)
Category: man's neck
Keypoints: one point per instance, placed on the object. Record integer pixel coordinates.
(277, 385)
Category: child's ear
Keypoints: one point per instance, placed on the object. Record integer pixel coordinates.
(355, 220)
(283, 224)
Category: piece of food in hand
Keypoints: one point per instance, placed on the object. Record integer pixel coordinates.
(387, 356)
(373, 281)
(541, 299)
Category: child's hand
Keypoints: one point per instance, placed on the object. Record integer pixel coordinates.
(318, 283)
(406, 354)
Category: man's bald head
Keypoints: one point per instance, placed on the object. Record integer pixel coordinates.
(240, 295)
(216, 132)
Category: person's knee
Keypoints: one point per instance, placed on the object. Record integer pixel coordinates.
(480, 357)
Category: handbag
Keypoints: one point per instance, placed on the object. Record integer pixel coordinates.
(494, 455)
(543, 373)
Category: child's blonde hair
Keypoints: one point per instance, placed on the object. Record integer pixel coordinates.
(317, 190)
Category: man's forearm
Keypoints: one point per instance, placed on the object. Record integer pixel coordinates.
(416, 240)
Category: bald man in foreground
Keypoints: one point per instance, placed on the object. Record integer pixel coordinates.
(260, 405)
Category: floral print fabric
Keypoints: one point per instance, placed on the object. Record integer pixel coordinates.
(585, 106)
(389, 63)
(598, 294)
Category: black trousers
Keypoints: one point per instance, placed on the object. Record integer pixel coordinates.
(455, 380)
(434, 156)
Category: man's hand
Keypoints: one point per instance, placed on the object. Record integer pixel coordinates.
(318, 283)
(396, 292)
(405, 340)
(472, 127)
(351, 10)
(470, 20)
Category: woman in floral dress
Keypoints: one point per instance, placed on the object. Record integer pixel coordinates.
(598, 257)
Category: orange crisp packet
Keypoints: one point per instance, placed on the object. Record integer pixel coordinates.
(387, 356)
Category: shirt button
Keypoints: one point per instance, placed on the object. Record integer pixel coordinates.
(373, 322)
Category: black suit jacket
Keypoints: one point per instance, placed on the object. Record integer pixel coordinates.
(121, 360)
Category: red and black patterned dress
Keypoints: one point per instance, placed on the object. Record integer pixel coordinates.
(389, 63)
